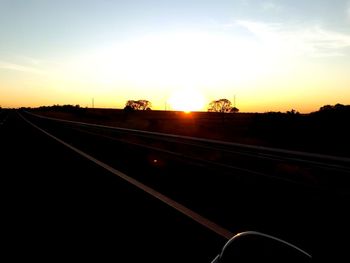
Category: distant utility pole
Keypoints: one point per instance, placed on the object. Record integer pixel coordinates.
(93, 103)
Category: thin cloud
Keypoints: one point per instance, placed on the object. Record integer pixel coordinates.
(314, 41)
(21, 68)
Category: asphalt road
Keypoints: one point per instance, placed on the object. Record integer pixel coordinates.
(58, 205)
(238, 190)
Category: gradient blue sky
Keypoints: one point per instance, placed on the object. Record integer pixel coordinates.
(273, 55)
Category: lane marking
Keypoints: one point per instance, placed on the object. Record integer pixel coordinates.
(168, 201)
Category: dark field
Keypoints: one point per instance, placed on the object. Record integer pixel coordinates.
(324, 132)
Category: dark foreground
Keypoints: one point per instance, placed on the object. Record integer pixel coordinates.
(58, 205)
(57, 202)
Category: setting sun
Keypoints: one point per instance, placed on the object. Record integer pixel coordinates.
(187, 100)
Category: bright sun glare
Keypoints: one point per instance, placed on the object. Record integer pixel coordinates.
(186, 100)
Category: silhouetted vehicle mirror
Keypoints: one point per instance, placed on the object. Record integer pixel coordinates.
(253, 246)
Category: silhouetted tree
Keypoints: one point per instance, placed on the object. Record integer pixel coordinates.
(144, 104)
(221, 105)
(330, 111)
(138, 105)
(64, 108)
(293, 112)
(326, 108)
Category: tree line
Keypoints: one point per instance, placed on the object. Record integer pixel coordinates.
(221, 105)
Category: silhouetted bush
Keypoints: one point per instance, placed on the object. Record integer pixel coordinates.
(63, 108)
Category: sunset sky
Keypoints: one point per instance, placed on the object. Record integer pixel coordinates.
(271, 55)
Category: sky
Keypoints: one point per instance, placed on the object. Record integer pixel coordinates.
(268, 55)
